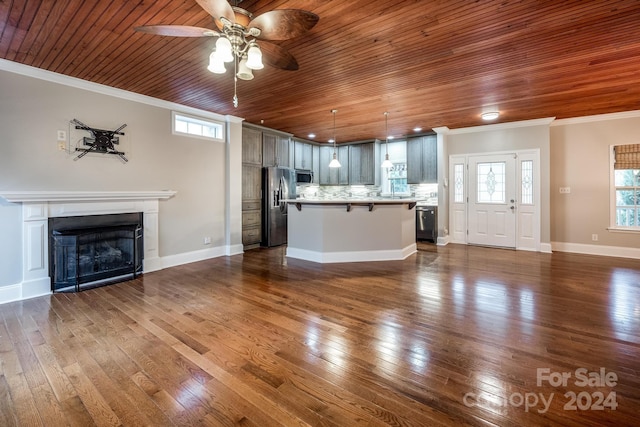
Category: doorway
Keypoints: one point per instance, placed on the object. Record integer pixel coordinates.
(495, 199)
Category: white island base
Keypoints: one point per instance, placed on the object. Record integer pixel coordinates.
(342, 231)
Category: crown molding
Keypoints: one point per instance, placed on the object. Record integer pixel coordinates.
(502, 126)
(597, 118)
(50, 76)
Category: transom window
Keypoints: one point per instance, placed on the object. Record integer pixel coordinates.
(193, 126)
(626, 182)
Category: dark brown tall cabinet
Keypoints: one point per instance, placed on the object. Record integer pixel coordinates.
(251, 187)
(422, 160)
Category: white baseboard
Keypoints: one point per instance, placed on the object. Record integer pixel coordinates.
(613, 251)
(10, 293)
(25, 290)
(546, 248)
(234, 249)
(194, 256)
(443, 241)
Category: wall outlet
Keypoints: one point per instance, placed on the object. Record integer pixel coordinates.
(62, 145)
(565, 190)
(594, 237)
(206, 240)
(62, 135)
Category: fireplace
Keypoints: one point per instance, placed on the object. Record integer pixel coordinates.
(94, 250)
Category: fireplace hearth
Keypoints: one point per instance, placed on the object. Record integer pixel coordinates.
(94, 250)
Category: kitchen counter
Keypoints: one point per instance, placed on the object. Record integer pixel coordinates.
(351, 230)
(349, 203)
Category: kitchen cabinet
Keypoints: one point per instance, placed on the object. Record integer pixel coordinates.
(315, 163)
(251, 187)
(303, 155)
(422, 160)
(363, 168)
(251, 146)
(334, 176)
(275, 150)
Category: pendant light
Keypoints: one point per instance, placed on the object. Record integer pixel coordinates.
(334, 162)
(387, 163)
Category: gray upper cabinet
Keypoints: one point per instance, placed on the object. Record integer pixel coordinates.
(362, 164)
(422, 160)
(315, 163)
(275, 150)
(303, 154)
(334, 176)
(251, 146)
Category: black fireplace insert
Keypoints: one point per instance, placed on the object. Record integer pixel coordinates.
(94, 250)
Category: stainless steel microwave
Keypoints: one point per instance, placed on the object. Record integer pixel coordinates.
(304, 176)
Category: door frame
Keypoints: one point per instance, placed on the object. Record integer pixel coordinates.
(528, 216)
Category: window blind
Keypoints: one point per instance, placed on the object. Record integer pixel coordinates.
(627, 156)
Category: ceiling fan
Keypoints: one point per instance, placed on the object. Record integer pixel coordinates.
(237, 35)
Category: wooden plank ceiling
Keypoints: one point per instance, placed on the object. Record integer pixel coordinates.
(429, 63)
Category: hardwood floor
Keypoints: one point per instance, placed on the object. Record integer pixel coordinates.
(450, 336)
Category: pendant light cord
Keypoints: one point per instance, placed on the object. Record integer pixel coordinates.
(386, 133)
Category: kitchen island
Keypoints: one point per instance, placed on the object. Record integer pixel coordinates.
(327, 231)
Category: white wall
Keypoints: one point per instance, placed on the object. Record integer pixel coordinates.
(580, 160)
(205, 174)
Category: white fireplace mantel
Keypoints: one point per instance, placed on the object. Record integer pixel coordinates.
(39, 206)
(82, 196)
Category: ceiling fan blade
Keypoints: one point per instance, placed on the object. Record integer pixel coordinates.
(177, 31)
(283, 24)
(218, 9)
(278, 57)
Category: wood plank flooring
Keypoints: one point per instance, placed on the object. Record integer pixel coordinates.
(453, 335)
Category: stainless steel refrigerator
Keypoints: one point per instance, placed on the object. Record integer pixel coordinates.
(278, 184)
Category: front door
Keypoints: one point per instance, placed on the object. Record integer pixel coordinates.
(492, 200)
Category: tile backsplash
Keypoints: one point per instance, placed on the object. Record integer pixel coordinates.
(343, 192)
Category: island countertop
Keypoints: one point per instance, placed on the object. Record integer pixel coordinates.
(353, 202)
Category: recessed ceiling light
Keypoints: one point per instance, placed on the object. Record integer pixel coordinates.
(312, 135)
(490, 115)
(417, 129)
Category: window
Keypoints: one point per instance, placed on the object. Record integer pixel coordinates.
(187, 125)
(626, 182)
(526, 190)
(458, 174)
(491, 179)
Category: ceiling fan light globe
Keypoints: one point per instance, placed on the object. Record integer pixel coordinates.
(254, 58)
(244, 72)
(216, 65)
(223, 49)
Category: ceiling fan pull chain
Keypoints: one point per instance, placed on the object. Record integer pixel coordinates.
(235, 83)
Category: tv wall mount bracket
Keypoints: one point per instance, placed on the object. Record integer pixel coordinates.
(101, 141)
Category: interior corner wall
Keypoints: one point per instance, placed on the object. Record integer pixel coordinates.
(32, 110)
(501, 139)
(580, 160)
